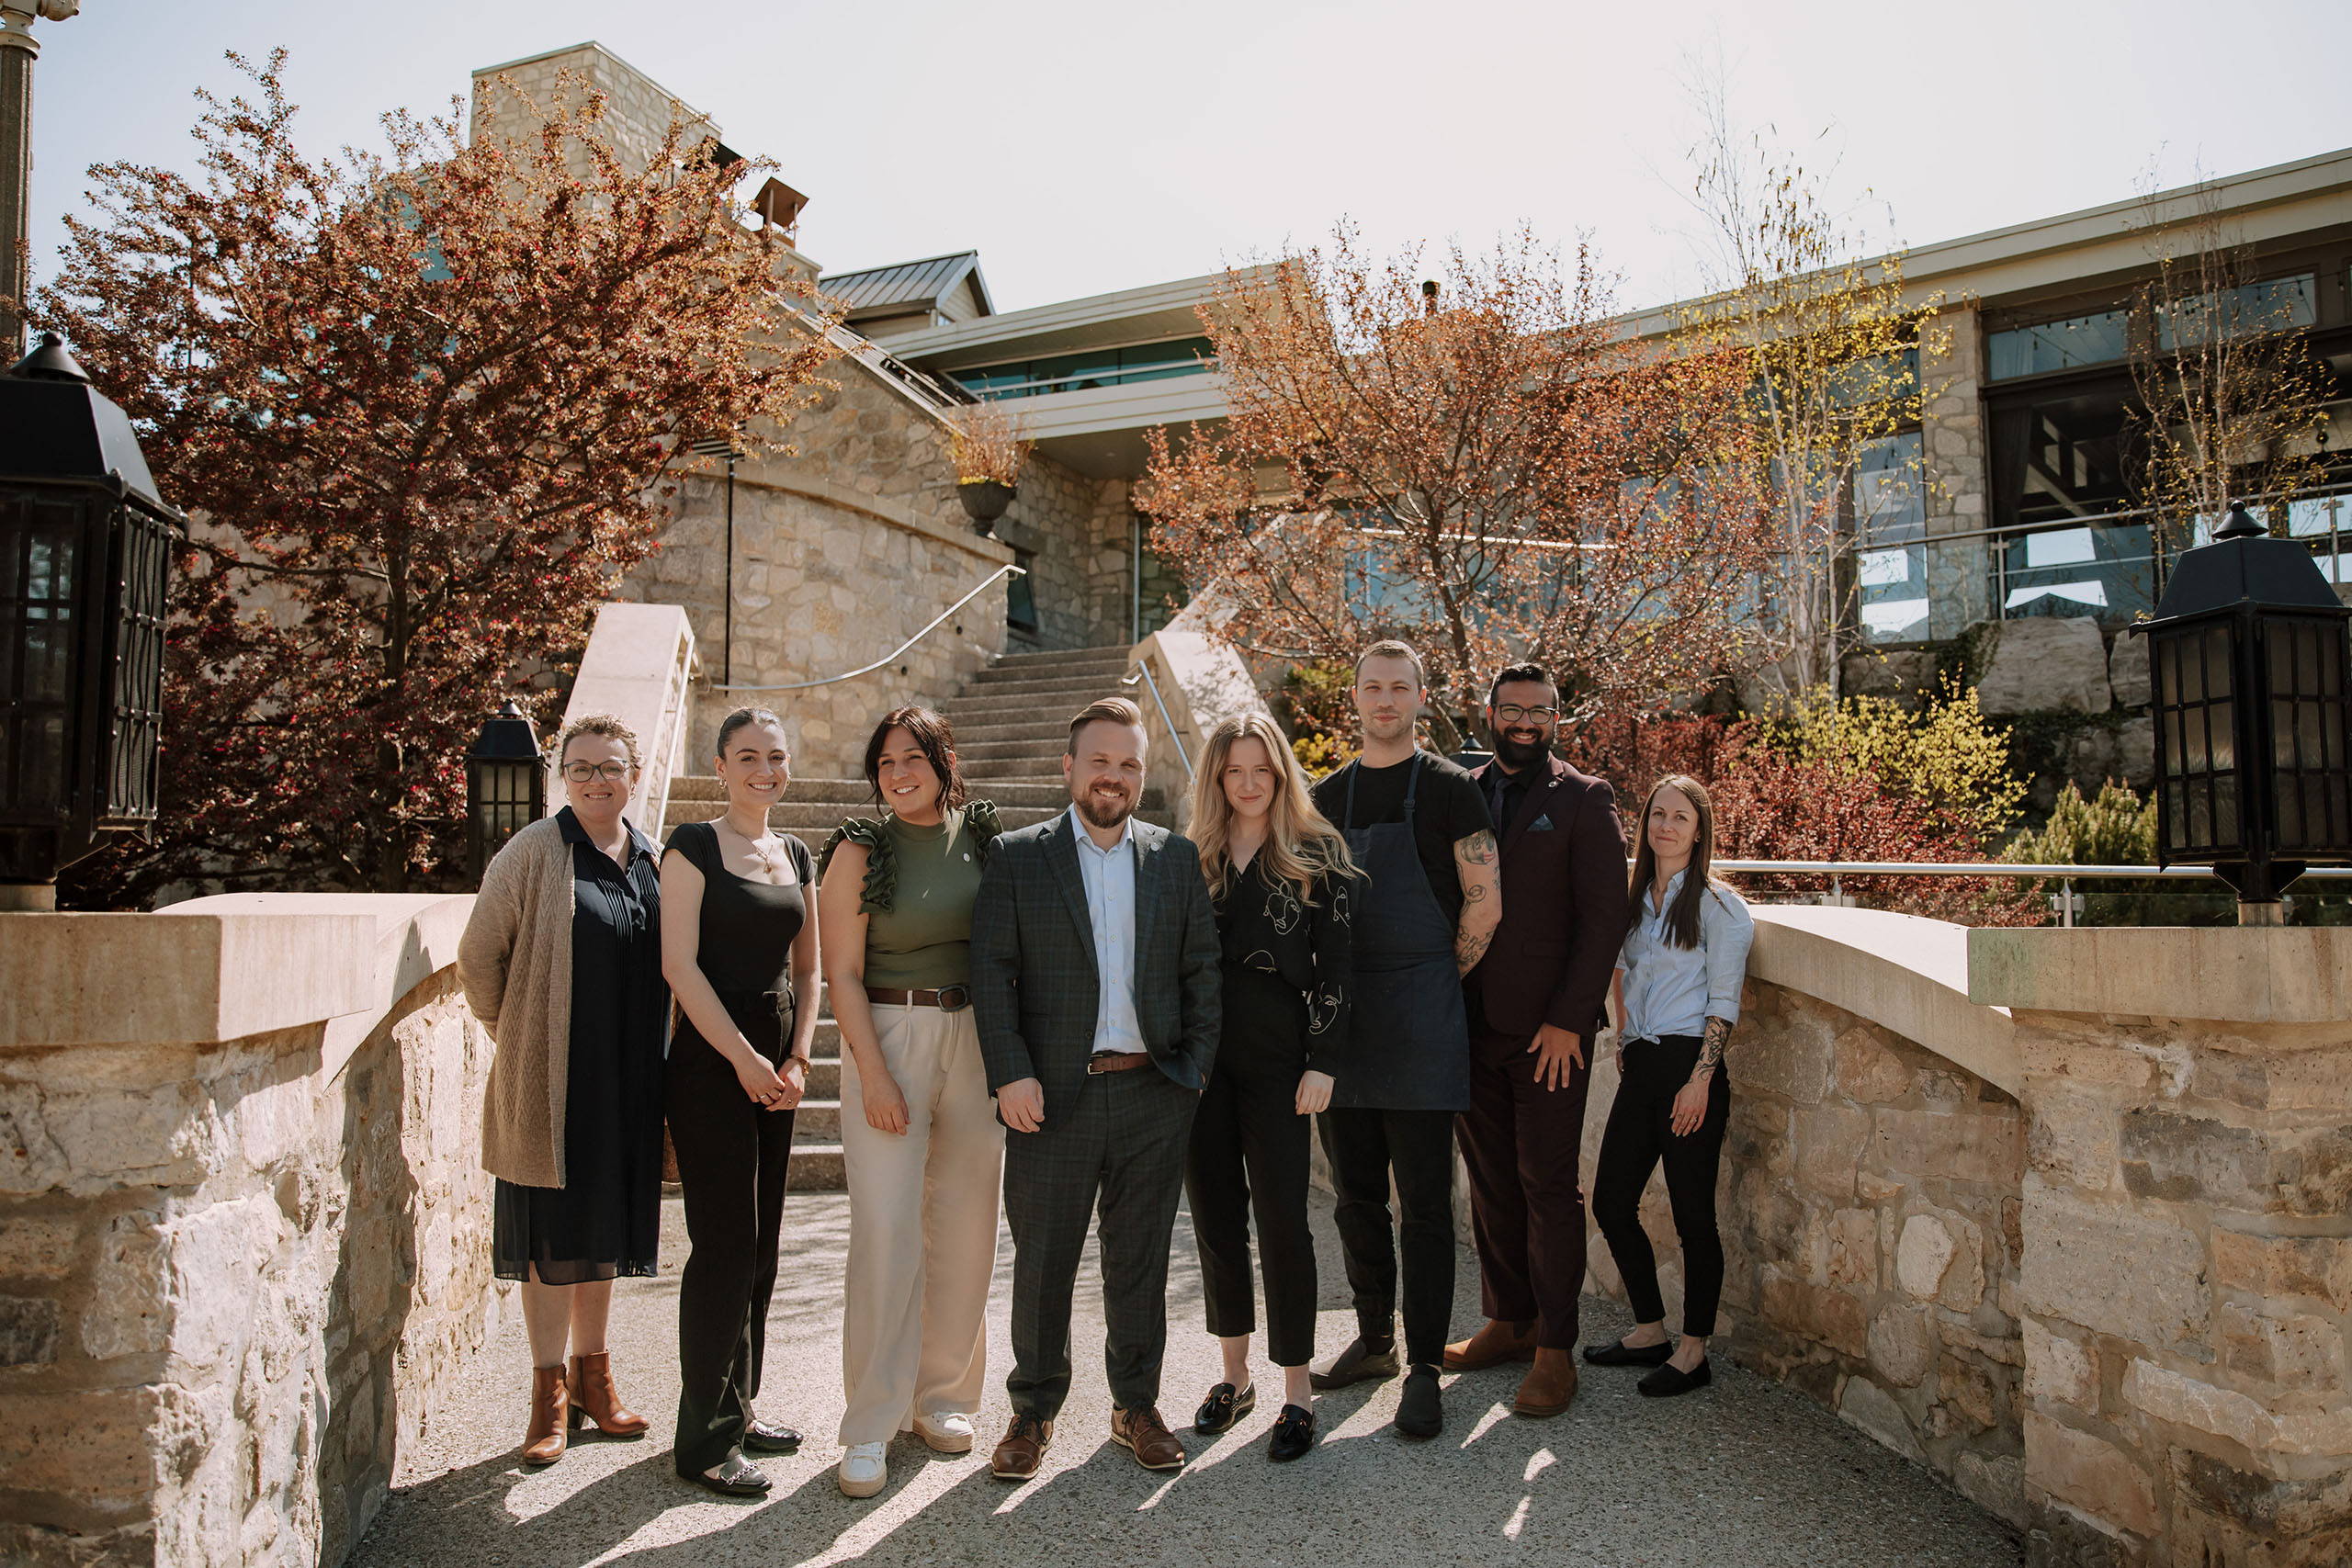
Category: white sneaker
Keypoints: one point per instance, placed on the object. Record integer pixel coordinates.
(862, 1471)
(949, 1432)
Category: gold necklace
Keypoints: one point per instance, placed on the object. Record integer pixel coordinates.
(769, 853)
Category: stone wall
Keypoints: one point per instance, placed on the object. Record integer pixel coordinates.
(239, 1267)
(1953, 452)
(638, 109)
(1869, 1201)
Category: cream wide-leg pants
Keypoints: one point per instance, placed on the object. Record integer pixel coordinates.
(923, 1214)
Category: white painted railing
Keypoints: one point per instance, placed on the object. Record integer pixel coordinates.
(638, 666)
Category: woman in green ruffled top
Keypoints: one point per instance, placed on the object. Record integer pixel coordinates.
(920, 1135)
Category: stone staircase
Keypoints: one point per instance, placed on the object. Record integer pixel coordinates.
(1012, 727)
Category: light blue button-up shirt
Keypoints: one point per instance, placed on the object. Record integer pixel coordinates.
(1110, 877)
(1674, 990)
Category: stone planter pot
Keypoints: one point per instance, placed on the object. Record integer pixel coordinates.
(984, 501)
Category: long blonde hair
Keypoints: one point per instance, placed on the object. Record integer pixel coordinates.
(1301, 844)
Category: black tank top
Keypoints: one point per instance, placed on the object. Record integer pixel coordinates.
(748, 927)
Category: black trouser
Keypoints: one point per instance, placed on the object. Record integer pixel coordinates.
(1122, 1139)
(1365, 1147)
(1640, 1134)
(731, 1158)
(1249, 1152)
(1521, 1142)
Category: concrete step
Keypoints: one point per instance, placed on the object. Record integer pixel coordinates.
(816, 1121)
(812, 824)
(1012, 665)
(816, 1167)
(1054, 731)
(1041, 689)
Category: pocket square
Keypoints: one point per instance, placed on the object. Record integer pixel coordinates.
(1541, 825)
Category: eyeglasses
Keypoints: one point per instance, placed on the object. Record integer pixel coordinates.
(1512, 713)
(588, 772)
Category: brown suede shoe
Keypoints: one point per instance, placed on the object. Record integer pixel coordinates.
(1550, 1384)
(1141, 1432)
(593, 1398)
(1490, 1346)
(1023, 1449)
(550, 1407)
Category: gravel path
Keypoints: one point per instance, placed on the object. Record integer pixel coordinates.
(1746, 1472)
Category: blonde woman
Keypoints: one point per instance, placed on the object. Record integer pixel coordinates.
(1280, 878)
(561, 961)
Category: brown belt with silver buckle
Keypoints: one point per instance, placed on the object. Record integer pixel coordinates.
(947, 999)
(1115, 1060)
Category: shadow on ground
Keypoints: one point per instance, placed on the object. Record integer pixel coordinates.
(1746, 1472)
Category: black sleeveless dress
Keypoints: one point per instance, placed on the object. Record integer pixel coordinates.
(748, 930)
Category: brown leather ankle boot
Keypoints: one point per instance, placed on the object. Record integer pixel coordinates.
(1490, 1346)
(1550, 1384)
(593, 1398)
(543, 1444)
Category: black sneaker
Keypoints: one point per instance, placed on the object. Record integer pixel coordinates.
(1294, 1434)
(1418, 1412)
(1363, 1360)
(1223, 1407)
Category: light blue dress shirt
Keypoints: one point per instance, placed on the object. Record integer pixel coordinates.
(1110, 877)
(1674, 990)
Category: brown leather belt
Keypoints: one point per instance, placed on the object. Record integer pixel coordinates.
(1115, 1061)
(947, 999)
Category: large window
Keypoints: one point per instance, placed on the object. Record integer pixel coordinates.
(1094, 367)
(2101, 338)
(2071, 541)
(1890, 530)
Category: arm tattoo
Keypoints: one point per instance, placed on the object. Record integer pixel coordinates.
(1469, 947)
(1711, 1050)
(1478, 849)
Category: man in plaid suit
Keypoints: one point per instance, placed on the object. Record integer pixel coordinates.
(1094, 985)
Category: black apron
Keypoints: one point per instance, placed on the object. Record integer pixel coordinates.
(1409, 1042)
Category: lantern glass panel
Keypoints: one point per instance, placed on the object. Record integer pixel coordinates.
(38, 571)
(133, 739)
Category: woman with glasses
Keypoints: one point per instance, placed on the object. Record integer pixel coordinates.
(1282, 882)
(740, 953)
(561, 961)
(1680, 972)
(920, 1137)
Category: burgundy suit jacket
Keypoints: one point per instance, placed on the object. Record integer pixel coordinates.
(1564, 908)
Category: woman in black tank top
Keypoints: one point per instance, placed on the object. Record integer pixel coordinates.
(739, 952)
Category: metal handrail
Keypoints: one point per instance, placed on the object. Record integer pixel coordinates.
(986, 583)
(2063, 901)
(1182, 755)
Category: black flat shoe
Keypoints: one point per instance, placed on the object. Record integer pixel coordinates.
(1223, 1407)
(1294, 1434)
(737, 1477)
(1418, 1412)
(1668, 1381)
(1623, 1355)
(771, 1437)
(1363, 1360)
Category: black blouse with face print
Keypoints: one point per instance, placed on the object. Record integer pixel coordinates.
(1288, 969)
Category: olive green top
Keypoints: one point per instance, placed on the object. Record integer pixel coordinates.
(920, 885)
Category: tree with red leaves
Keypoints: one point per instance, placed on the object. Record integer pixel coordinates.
(421, 403)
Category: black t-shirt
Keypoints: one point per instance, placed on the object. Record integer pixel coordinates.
(1448, 810)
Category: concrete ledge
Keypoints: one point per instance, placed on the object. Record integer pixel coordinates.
(222, 969)
(2292, 975)
(1903, 973)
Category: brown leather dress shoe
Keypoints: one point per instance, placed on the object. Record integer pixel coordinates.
(1023, 1449)
(550, 1406)
(1491, 1346)
(593, 1398)
(1550, 1384)
(1142, 1433)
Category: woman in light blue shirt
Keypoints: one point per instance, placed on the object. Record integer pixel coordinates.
(1680, 975)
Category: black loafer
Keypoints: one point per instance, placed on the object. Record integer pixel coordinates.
(1294, 1434)
(737, 1477)
(1622, 1355)
(1668, 1380)
(771, 1437)
(1418, 1412)
(1363, 1360)
(1223, 1407)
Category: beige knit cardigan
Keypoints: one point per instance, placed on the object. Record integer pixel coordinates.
(514, 962)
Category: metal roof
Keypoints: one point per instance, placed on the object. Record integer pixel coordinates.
(885, 290)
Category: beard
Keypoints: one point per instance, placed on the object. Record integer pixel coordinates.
(1518, 754)
(1105, 814)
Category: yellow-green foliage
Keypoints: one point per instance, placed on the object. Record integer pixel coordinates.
(1945, 754)
(2117, 828)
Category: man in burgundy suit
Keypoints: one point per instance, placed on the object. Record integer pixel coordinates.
(1535, 1003)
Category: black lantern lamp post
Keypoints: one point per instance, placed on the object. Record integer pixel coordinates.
(506, 784)
(2252, 679)
(85, 547)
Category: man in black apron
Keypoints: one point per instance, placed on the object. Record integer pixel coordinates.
(1420, 831)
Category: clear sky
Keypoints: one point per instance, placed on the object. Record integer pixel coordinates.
(1084, 146)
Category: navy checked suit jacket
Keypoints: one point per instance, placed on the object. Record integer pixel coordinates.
(1034, 983)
